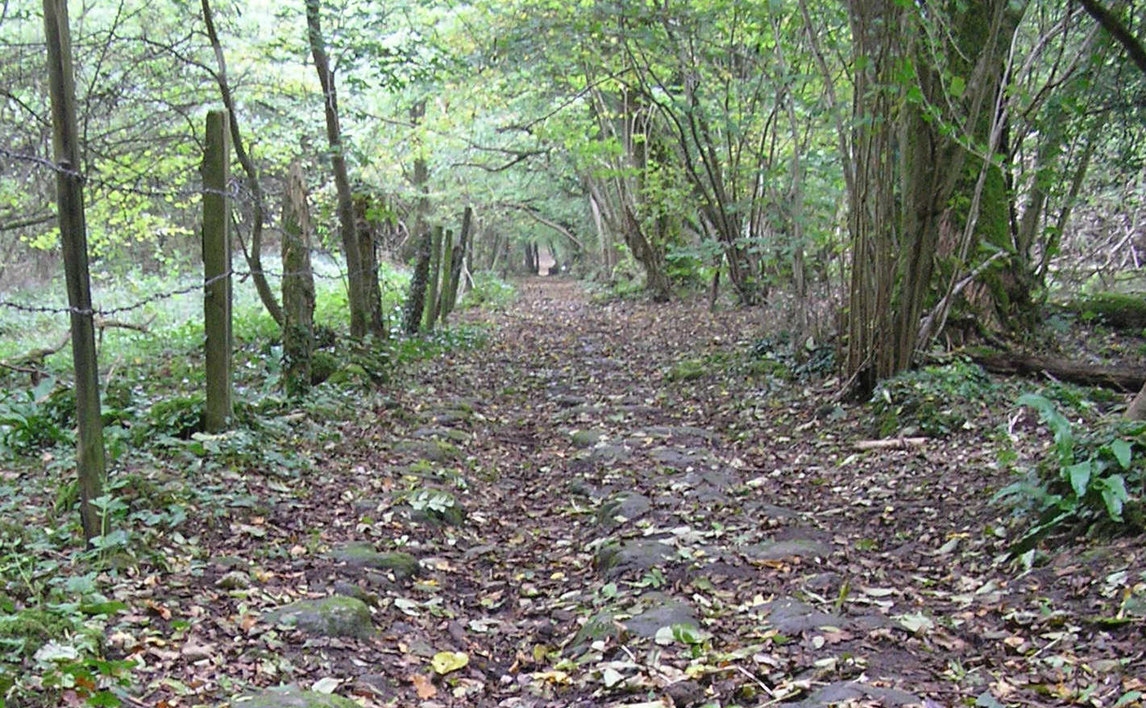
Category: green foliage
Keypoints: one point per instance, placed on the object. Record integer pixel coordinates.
(179, 417)
(804, 360)
(933, 401)
(438, 342)
(35, 419)
(489, 291)
(52, 640)
(1086, 481)
(688, 370)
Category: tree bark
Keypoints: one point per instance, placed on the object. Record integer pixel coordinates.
(457, 261)
(356, 275)
(368, 247)
(423, 238)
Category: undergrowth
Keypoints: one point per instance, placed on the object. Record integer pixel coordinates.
(1090, 479)
(163, 469)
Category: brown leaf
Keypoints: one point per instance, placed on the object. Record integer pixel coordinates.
(423, 686)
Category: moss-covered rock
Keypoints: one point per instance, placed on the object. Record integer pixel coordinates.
(586, 438)
(361, 555)
(327, 617)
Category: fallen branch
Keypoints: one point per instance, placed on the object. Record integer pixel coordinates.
(1120, 379)
(890, 444)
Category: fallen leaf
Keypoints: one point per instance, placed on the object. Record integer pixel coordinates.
(326, 685)
(445, 662)
(423, 686)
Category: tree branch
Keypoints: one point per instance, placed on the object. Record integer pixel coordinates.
(1119, 31)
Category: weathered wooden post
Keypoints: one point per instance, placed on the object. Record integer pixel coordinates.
(217, 272)
(298, 286)
(91, 464)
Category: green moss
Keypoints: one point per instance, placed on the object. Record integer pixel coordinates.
(1125, 311)
(28, 630)
(687, 370)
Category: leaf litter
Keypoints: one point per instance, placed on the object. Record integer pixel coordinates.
(562, 518)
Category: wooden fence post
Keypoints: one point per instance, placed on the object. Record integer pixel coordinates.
(91, 465)
(217, 272)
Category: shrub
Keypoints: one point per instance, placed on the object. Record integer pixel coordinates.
(1087, 481)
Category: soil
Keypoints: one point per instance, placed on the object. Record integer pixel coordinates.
(592, 527)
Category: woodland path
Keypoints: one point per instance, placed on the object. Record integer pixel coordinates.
(567, 493)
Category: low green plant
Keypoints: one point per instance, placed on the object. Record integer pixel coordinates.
(489, 291)
(934, 400)
(33, 419)
(780, 357)
(1086, 481)
(53, 643)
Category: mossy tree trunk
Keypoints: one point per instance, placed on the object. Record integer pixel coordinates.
(423, 238)
(433, 279)
(368, 246)
(298, 286)
(909, 167)
(217, 272)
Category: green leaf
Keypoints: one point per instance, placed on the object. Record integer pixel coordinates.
(109, 607)
(916, 623)
(106, 699)
(986, 700)
(1128, 698)
(1079, 476)
(958, 86)
(1114, 495)
(1122, 452)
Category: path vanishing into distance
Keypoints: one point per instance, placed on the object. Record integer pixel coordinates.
(607, 505)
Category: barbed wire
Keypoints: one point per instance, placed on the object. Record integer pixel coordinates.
(241, 275)
(235, 190)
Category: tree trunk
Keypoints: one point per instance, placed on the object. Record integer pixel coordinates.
(91, 465)
(416, 297)
(872, 217)
(434, 279)
(254, 256)
(907, 167)
(368, 247)
(356, 274)
(419, 282)
(457, 261)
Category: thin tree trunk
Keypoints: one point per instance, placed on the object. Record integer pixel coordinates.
(254, 254)
(356, 275)
(416, 298)
(457, 261)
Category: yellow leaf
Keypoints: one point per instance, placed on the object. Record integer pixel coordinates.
(446, 661)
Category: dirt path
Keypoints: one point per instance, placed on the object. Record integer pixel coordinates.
(594, 523)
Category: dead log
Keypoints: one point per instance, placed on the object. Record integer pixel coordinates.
(1125, 379)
